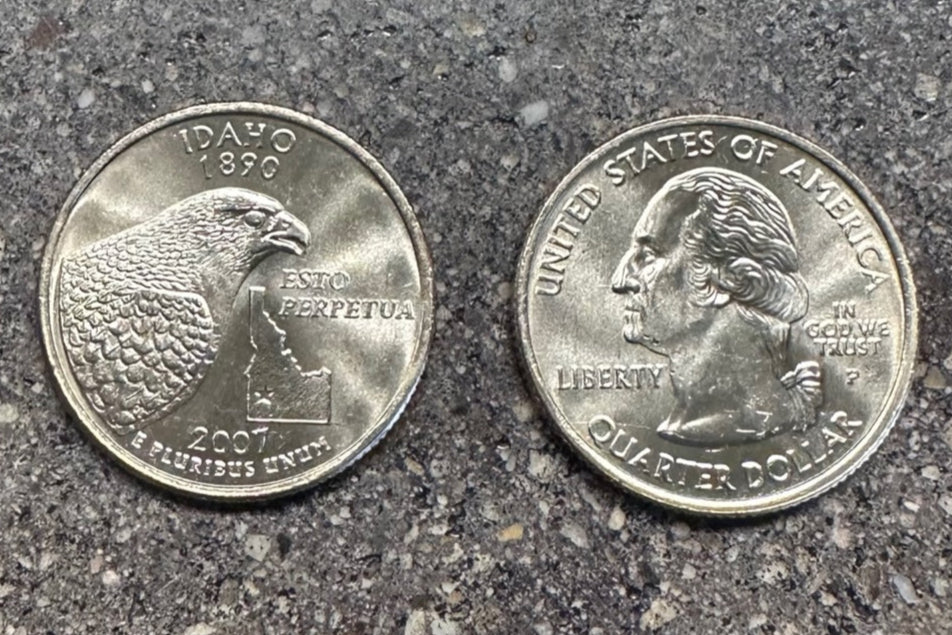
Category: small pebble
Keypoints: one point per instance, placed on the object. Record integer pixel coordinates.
(86, 98)
(9, 413)
(906, 590)
(927, 87)
(617, 519)
(507, 70)
(110, 578)
(257, 546)
(535, 113)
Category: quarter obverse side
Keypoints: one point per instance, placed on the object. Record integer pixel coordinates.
(236, 301)
(718, 315)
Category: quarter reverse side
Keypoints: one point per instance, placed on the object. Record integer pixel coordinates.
(236, 301)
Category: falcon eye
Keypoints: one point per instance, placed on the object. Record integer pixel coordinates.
(254, 218)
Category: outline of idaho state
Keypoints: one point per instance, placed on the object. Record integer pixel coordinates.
(287, 393)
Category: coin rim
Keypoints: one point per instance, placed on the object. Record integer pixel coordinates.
(308, 478)
(858, 454)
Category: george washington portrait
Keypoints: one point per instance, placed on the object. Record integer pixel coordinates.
(712, 281)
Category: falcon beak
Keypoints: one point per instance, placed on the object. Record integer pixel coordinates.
(289, 234)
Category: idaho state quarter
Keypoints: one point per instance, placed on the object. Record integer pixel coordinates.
(718, 315)
(236, 301)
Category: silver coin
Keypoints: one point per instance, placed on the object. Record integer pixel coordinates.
(236, 301)
(718, 315)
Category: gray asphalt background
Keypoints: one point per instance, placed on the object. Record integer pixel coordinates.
(472, 515)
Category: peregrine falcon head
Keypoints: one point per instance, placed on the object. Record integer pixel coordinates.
(237, 227)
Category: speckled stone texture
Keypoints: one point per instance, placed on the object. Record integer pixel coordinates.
(472, 515)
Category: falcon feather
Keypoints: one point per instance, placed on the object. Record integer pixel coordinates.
(143, 311)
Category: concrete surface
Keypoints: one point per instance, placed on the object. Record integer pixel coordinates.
(472, 515)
